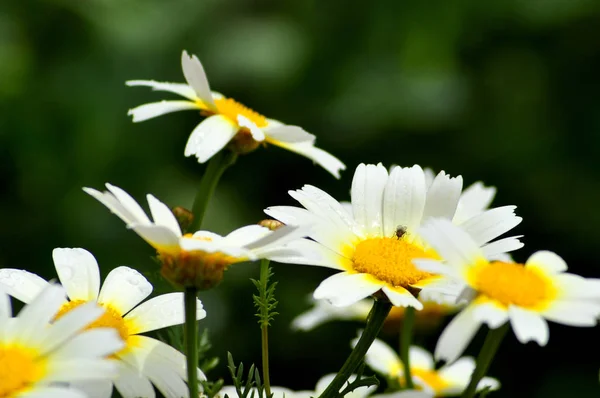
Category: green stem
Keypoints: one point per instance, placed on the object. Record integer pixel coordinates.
(378, 314)
(215, 169)
(264, 327)
(484, 359)
(405, 340)
(191, 339)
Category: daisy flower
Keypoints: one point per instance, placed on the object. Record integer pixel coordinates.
(143, 361)
(37, 358)
(374, 246)
(228, 121)
(501, 291)
(446, 381)
(197, 259)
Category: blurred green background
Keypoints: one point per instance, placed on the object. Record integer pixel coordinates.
(503, 91)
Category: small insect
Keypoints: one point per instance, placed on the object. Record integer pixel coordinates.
(400, 231)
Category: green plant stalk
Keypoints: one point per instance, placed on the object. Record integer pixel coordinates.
(215, 169)
(264, 327)
(485, 357)
(405, 339)
(191, 339)
(378, 314)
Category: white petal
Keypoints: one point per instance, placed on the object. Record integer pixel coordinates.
(401, 297)
(528, 325)
(575, 287)
(382, 358)
(279, 237)
(491, 224)
(324, 159)
(195, 76)
(457, 375)
(367, 197)
(491, 314)
(78, 272)
(497, 250)
(442, 196)
(573, 312)
(138, 215)
(178, 88)
(434, 267)
(323, 312)
(5, 308)
(158, 236)
(123, 289)
(473, 200)
(131, 384)
(291, 215)
(547, 261)
(162, 215)
(255, 131)
(52, 392)
(488, 382)
(116, 207)
(95, 388)
(209, 137)
(344, 289)
(404, 199)
(308, 252)
(289, 134)
(80, 369)
(456, 336)
(420, 358)
(245, 235)
(22, 285)
(160, 312)
(36, 315)
(93, 343)
(155, 109)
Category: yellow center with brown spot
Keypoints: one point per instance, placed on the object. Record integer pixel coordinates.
(20, 368)
(510, 283)
(109, 319)
(231, 109)
(390, 260)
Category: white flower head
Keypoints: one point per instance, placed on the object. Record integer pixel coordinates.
(449, 380)
(374, 246)
(228, 121)
(142, 361)
(500, 291)
(199, 258)
(37, 358)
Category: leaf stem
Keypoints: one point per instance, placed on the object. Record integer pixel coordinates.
(405, 340)
(264, 326)
(191, 339)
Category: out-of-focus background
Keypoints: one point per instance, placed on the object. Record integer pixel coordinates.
(503, 91)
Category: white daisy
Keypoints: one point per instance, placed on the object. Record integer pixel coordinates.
(143, 361)
(374, 246)
(37, 359)
(500, 291)
(448, 380)
(197, 259)
(228, 121)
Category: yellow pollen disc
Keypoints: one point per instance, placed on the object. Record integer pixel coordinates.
(390, 260)
(231, 108)
(432, 378)
(511, 283)
(110, 318)
(19, 368)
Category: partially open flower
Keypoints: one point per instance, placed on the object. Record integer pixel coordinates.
(198, 259)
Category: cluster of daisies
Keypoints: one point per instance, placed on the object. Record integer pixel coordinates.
(408, 236)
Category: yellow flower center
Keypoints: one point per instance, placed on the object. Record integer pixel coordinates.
(432, 378)
(390, 260)
(511, 283)
(109, 319)
(20, 368)
(231, 108)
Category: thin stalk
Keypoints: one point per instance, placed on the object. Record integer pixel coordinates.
(264, 328)
(484, 359)
(379, 311)
(191, 339)
(215, 169)
(405, 339)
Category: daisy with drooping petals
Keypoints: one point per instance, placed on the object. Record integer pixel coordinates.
(228, 121)
(375, 245)
(500, 291)
(143, 361)
(197, 259)
(446, 381)
(35, 356)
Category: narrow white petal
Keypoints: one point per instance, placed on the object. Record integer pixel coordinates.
(289, 134)
(154, 109)
(491, 224)
(131, 205)
(162, 215)
(344, 289)
(22, 285)
(367, 197)
(307, 252)
(93, 343)
(5, 308)
(306, 148)
(474, 200)
(291, 215)
(323, 312)
(157, 236)
(442, 196)
(209, 137)
(178, 88)
(497, 249)
(401, 297)
(575, 287)
(573, 312)
(123, 289)
(78, 272)
(420, 358)
(94, 388)
(434, 267)
(491, 314)
(382, 358)
(279, 237)
(456, 336)
(404, 199)
(80, 369)
(195, 76)
(488, 382)
(113, 204)
(528, 325)
(38, 313)
(547, 261)
(255, 131)
(245, 235)
(160, 312)
(457, 375)
(53, 392)
(132, 384)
